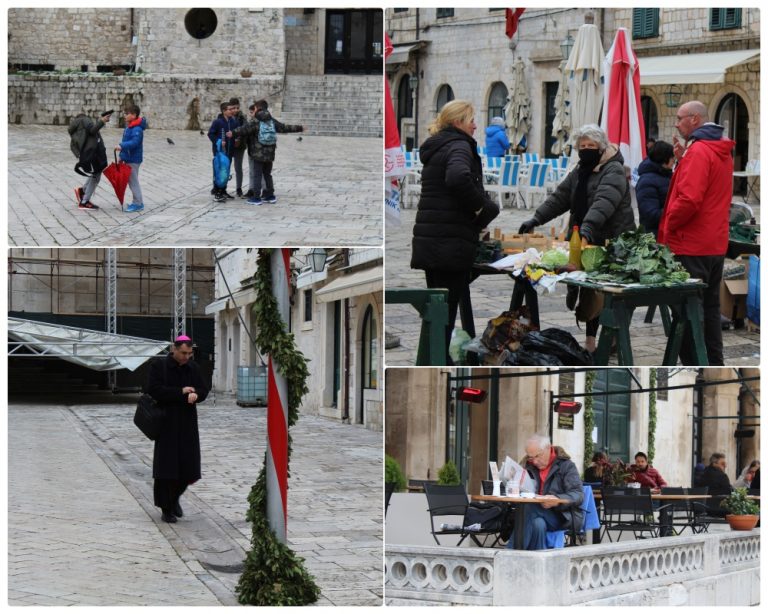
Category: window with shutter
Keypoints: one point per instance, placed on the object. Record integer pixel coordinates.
(724, 19)
(444, 13)
(645, 23)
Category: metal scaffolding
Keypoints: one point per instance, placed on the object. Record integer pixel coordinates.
(110, 302)
(179, 292)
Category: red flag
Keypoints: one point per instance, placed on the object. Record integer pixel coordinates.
(513, 17)
(394, 160)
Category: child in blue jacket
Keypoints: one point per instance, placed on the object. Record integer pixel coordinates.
(131, 150)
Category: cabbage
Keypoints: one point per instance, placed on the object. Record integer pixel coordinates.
(592, 257)
(554, 259)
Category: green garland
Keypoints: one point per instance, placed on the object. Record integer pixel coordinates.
(273, 574)
(652, 417)
(589, 419)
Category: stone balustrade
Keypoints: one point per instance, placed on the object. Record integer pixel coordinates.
(711, 569)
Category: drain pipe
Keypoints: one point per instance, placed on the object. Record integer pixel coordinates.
(345, 412)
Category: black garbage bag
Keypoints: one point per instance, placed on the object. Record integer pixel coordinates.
(557, 343)
(523, 358)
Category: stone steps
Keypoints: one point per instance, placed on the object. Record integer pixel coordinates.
(334, 105)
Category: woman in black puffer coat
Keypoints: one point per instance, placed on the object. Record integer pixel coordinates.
(453, 208)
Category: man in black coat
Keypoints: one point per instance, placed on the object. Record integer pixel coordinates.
(555, 477)
(176, 384)
(719, 485)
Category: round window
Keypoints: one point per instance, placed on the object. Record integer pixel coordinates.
(200, 23)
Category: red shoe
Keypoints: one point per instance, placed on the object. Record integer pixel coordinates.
(79, 193)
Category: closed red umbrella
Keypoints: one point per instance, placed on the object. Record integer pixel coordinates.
(394, 160)
(622, 115)
(118, 174)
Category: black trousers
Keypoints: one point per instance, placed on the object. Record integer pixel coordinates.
(710, 270)
(167, 493)
(457, 283)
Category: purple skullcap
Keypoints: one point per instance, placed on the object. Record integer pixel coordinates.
(181, 338)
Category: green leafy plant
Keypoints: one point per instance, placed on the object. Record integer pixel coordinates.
(448, 474)
(589, 419)
(615, 473)
(273, 574)
(393, 473)
(592, 257)
(635, 257)
(737, 504)
(652, 416)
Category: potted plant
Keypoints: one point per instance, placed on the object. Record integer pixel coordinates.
(393, 473)
(245, 73)
(744, 513)
(616, 473)
(448, 475)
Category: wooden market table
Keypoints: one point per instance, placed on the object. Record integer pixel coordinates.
(682, 299)
(520, 506)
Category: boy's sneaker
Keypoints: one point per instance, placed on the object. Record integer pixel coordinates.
(88, 205)
(254, 201)
(213, 191)
(134, 207)
(79, 193)
(219, 197)
(239, 193)
(270, 199)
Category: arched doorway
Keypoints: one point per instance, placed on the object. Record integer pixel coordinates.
(650, 117)
(497, 100)
(370, 360)
(404, 101)
(732, 115)
(444, 96)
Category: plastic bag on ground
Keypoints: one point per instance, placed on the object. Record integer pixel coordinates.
(459, 339)
(559, 344)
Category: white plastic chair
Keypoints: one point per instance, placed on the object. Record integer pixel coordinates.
(507, 183)
(535, 183)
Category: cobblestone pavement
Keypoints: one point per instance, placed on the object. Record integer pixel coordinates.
(329, 192)
(83, 530)
(490, 297)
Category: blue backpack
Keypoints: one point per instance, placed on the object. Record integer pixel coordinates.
(267, 134)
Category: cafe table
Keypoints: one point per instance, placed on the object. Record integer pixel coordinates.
(520, 506)
(620, 301)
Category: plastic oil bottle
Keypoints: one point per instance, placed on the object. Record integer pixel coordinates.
(574, 248)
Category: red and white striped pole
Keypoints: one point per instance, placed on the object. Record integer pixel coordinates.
(277, 407)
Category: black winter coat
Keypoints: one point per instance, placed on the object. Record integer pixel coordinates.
(250, 131)
(716, 480)
(564, 482)
(177, 448)
(651, 191)
(610, 204)
(453, 207)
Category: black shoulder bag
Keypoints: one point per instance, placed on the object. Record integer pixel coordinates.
(149, 416)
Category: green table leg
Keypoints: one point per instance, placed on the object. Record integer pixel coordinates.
(434, 319)
(674, 340)
(695, 314)
(623, 315)
(608, 324)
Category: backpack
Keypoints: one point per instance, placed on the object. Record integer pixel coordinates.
(90, 153)
(267, 134)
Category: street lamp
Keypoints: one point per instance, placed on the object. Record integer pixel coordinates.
(413, 81)
(566, 46)
(194, 299)
(672, 96)
(317, 256)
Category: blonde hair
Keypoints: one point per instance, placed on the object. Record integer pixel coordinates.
(453, 111)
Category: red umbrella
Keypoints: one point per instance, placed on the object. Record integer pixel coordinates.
(118, 174)
(622, 115)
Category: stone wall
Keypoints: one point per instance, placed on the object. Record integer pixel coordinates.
(251, 39)
(304, 35)
(70, 38)
(720, 569)
(168, 102)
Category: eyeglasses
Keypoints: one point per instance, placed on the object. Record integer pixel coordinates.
(684, 116)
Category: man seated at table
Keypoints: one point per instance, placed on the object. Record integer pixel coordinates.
(717, 481)
(647, 476)
(555, 477)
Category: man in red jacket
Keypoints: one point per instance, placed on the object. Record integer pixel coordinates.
(645, 474)
(695, 220)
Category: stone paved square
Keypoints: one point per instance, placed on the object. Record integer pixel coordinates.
(83, 530)
(329, 191)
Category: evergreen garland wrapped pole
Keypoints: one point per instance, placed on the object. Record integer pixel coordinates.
(277, 406)
(273, 574)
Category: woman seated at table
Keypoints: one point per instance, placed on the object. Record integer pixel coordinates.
(596, 196)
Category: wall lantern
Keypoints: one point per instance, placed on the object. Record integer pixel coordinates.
(672, 96)
(317, 256)
(566, 46)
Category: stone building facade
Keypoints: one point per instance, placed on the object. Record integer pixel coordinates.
(425, 425)
(466, 49)
(337, 322)
(179, 64)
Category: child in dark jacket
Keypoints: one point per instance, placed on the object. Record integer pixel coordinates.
(131, 150)
(221, 128)
(261, 132)
(239, 153)
(652, 186)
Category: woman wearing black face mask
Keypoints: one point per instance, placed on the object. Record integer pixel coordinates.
(596, 196)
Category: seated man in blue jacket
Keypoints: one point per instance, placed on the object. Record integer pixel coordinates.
(555, 477)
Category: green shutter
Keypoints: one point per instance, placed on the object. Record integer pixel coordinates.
(724, 19)
(645, 23)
